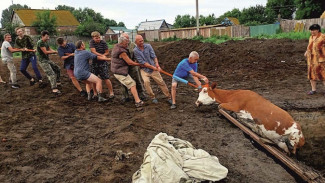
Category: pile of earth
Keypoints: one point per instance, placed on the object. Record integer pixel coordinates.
(69, 139)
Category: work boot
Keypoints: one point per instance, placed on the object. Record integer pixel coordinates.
(101, 98)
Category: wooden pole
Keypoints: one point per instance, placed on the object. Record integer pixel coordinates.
(197, 18)
(306, 175)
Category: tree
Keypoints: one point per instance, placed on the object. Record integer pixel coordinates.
(87, 27)
(45, 21)
(283, 7)
(309, 8)
(7, 13)
(89, 20)
(253, 15)
(182, 21)
(235, 13)
(64, 7)
(120, 24)
(208, 20)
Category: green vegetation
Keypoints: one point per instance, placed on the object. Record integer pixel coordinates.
(224, 38)
(44, 21)
(286, 35)
(215, 39)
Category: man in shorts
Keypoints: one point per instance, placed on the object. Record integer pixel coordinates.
(81, 69)
(187, 69)
(120, 68)
(66, 53)
(100, 68)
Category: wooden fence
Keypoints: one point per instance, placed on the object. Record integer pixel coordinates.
(300, 25)
(206, 31)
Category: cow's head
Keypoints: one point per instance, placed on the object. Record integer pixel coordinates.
(296, 139)
(206, 96)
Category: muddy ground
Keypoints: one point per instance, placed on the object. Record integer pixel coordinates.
(68, 139)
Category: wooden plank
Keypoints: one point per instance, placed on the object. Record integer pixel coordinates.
(306, 175)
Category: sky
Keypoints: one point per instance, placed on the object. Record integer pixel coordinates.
(132, 12)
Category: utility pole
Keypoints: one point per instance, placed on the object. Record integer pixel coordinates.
(197, 18)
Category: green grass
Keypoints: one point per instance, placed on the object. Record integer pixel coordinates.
(216, 39)
(286, 35)
(224, 38)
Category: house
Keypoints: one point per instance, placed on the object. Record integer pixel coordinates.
(66, 22)
(113, 33)
(154, 25)
(150, 29)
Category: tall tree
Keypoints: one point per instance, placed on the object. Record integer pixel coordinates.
(309, 8)
(235, 13)
(284, 8)
(88, 26)
(208, 20)
(253, 15)
(7, 13)
(64, 7)
(182, 21)
(45, 21)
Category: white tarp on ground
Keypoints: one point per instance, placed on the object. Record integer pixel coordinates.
(172, 160)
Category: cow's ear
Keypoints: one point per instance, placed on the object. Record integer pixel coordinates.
(213, 85)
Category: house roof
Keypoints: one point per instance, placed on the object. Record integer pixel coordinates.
(64, 17)
(117, 29)
(151, 25)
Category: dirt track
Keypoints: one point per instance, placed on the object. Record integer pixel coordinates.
(68, 139)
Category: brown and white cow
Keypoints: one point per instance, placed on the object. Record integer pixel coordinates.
(259, 114)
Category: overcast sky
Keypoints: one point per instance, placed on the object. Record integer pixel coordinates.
(132, 12)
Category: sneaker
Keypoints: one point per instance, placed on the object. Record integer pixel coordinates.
(170, 101)
(139, 104)
(155, 101)
(83, 93)
(57, 93)
(32, 82)
(95, 97)
(15, 86)
(89, 96)
(101, 98)
(311, 92)
(173, 106)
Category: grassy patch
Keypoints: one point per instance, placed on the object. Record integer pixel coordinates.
(286, 35)
(216, 39)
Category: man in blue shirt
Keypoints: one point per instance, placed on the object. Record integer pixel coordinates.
(146, 56)
(66, 53)
(81, 69)
(187, 69)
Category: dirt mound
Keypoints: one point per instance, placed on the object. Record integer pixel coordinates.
(68, 139)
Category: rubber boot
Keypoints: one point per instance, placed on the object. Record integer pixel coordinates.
(101, 99)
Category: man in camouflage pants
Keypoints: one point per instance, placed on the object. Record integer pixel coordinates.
(134, 72)
(49, 67)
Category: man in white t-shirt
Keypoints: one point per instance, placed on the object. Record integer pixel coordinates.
(7, 59)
